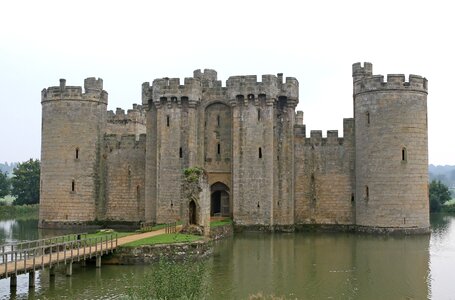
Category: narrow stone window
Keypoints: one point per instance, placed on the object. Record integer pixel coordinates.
(404, 154)
(218, 148)
(180, 152)
(367, 114)
(260, 152)
(218, 120)
(77, 153)
(367, 193)
(259, 114)
(138, 193)
(167, 120)
(73, 185)
(352, 198)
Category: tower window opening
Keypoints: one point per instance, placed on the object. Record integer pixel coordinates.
(368, 117)
(73, 185)
(180, 152)
(218, 148)
(367, 193)
(218, 120)
(167, 120)
(138, 193)
(77, 153)
(404, 154)
(259, 114)
(260, 152)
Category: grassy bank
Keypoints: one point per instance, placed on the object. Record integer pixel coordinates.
(220, 222)
(19, 211)
(168, 238)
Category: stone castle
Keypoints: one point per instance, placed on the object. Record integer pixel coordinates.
(262, 169)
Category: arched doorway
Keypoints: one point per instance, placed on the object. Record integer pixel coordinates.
(192, 212)
(219, 200)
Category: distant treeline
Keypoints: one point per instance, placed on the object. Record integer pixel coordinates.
(445, 174)
(8, 168)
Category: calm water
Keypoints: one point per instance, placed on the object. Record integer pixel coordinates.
(298, 265)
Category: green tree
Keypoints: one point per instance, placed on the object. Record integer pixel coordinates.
(4, 185)
(25, 182)
(439, 194)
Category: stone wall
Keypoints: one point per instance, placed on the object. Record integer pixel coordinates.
(325, 178)
(253, 158)
(283, 156)
(153, 253)
(124, 177)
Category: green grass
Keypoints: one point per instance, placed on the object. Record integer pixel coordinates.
(220, 222)
(168, 238)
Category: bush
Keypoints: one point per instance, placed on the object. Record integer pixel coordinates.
(25, 182)
(439, 194)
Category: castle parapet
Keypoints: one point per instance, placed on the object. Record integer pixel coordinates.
(359, 72)
(136, 114)
(271, 86)
(332, 138)
(365, 81)
(170, 89)
(93, 92)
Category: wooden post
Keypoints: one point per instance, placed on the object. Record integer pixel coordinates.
(69, 268)
(52, 271)
(31, 279)
(13, 280)
(98, 260)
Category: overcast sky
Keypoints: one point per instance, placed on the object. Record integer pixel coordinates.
(129, 42)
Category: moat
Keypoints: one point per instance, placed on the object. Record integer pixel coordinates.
(295, 265)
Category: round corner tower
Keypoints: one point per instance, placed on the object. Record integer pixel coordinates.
(72, 130)
(391, 140)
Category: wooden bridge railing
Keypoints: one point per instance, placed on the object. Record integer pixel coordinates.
(38, 243)
(171, 227)
(17, 259)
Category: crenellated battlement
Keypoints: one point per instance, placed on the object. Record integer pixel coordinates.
(271, 86)
(316, 139)
(136, 114)
(170, 89)
(208, 78)
(93, 92)
(206, 85)
(359, 71)
(332, 138)
(365, 81)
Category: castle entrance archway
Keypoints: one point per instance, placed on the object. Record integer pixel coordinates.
(220, 200)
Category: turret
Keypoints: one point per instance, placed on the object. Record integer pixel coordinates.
(391, 151)
(73, 125)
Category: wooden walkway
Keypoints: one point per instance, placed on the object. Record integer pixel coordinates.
(28, 257)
